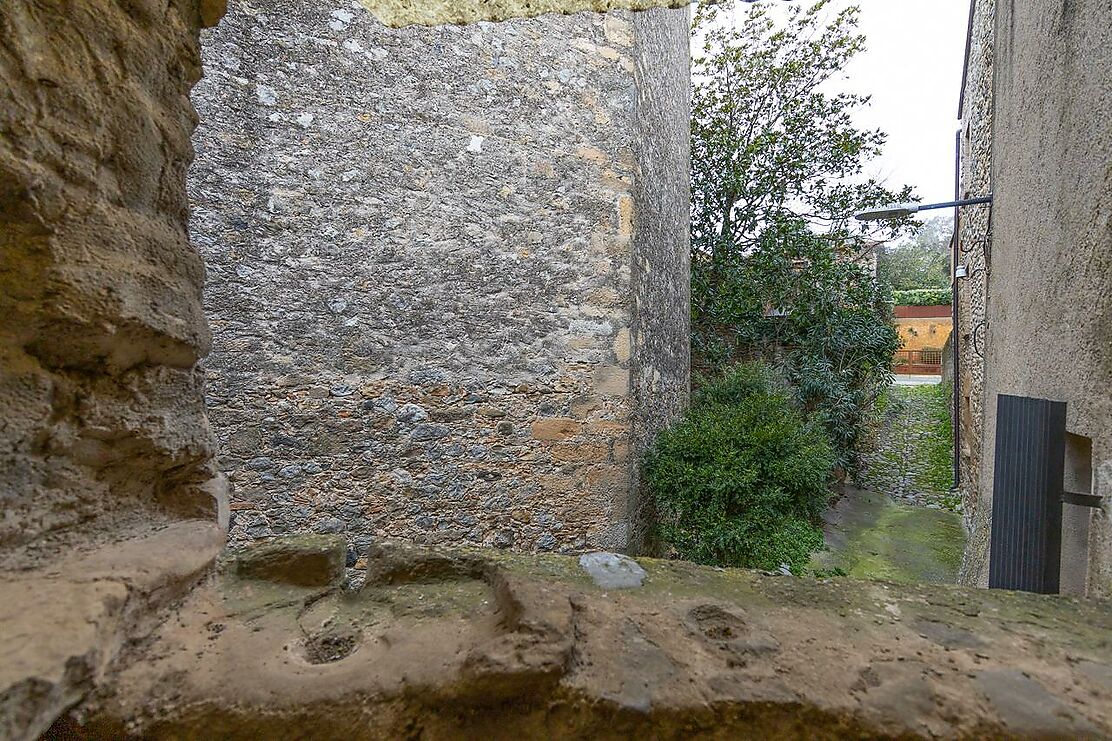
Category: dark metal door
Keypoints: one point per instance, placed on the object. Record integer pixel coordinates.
(1025, 549)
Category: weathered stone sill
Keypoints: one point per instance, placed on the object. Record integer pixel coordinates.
(65, 625)
(488, 644)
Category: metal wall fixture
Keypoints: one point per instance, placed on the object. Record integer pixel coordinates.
(900, 210)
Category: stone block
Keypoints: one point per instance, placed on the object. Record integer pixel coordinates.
(612, 570)
(580, 453)
(455, 643)
(62, 626)
(555, 428)
(609, 482)
(621, 345)
(610, 380)
(625, 216)
(607, 427)
(618, 31)
(300, 560)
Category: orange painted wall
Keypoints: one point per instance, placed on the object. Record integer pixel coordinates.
(928, 333)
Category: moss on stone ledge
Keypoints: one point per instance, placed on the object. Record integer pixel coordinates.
(499, 645)
(397, 13)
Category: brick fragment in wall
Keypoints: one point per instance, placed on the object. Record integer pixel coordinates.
(421, 248)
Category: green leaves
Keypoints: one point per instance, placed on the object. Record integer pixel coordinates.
(801, 303)
(779, 268)
(923, 297)
(767, 142)
(921, 262)
(741, 480)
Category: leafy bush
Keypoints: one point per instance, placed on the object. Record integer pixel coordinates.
(743, 478)
(923, 297)
(777, 167)
(832, 334)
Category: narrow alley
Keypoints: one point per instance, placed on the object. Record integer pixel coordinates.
(901, 522)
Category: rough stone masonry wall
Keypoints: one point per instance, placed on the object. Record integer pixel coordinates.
(659, 274)
(434, 263)
(1050, 287)
(974, 237)
(102, 426)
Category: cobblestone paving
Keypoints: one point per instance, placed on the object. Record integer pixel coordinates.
(897, 461)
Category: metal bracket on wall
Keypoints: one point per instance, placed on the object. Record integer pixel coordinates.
(1081, 500)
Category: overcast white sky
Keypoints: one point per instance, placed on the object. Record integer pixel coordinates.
(912, 68)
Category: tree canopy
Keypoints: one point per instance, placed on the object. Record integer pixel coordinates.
(923, 261)
(768, 143)
(780, 269)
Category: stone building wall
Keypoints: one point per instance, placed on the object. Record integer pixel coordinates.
(1049, 291)
(660, 367)
(433, 266)
(974, 236)
(102, 426)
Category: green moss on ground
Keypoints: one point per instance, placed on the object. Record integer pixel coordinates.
(937, 449)
(869, 536)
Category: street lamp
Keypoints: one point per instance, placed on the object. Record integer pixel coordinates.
(900, 210)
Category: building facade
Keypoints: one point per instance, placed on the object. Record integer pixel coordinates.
(924, 332)
(447, 270)
(973, 227)
(1037, 323)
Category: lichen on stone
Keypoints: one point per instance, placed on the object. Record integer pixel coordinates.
(398, 13)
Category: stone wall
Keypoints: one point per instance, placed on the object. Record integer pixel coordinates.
(102, 425)
(660, 269)
(1049, 308)
(110, 509)
(434, 264)
(399, 13)
(974, 235)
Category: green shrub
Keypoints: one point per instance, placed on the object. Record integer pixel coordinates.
(923, 297)
(742, 479)
(832, 335)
